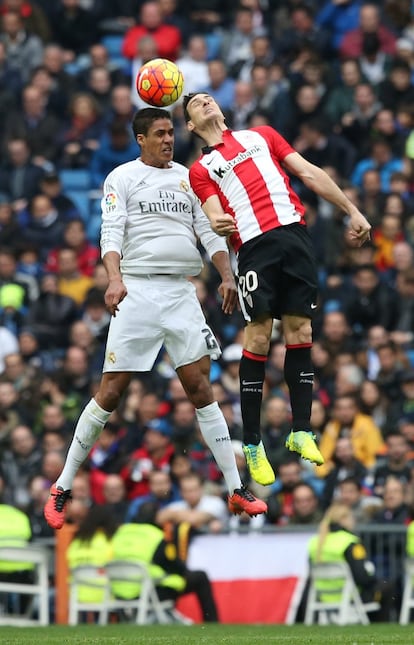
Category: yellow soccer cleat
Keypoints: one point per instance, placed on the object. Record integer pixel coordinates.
(259, 467)
(303, 442)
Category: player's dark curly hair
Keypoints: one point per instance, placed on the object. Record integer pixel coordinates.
(144, 118)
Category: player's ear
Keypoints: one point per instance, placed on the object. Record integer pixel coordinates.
(140, 139)
(190, 126)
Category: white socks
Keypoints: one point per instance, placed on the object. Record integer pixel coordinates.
(88, 429)
(216, 435)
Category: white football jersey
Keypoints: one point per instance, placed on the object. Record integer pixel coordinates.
(151, 217)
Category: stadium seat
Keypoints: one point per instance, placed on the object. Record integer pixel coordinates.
(75, 179)
(345, 606)
(148, 607)
(408, 592)
(37, 612)
(89, 578)
(113, 44)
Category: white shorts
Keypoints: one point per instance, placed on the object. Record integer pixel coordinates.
(158, 311)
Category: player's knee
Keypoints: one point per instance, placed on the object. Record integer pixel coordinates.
(258, 343)
(299, 333)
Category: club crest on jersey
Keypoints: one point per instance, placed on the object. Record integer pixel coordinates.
(110, 202)
(184, 186)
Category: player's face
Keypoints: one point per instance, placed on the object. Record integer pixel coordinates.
(157, 146)
(202, 109)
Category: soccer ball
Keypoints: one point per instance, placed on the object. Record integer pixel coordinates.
(160, 82)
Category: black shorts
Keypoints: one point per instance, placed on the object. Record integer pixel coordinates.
(277, 274)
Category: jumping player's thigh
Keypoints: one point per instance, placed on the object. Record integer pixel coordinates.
(187, 336)
(259, 277)
(300, 276)
(135, 335)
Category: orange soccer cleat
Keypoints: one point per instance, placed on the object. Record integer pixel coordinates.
(55, 507)
(243, 500)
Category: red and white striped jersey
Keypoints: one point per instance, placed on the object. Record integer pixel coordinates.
(244, 171)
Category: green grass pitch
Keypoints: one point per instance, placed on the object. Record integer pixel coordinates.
(380, 634)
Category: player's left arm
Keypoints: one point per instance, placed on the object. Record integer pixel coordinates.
(319, 181)
(222, 223)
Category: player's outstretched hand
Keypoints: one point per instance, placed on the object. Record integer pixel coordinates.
(114, 294)
(228, 292)
(360, 228)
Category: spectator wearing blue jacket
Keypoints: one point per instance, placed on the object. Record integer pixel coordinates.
(116, 147)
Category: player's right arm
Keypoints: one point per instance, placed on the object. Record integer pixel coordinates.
(116, 290)
(114, 216)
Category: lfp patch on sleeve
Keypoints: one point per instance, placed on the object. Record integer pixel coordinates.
(110, 202)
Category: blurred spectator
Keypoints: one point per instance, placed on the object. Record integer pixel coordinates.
(115, 148)
(51, 315)
(64, 84)
(275, 428)
(98, 57)
(394, 511)
(338, 18)
(73, 27)
(305, 506)
(373, 403)
(79, 138)
(220, 86)
(71, 282)
(357, 122)
(385, 236)
(208, 16)
(36, 125)
(303, 30)
(348, 421)
(183, 422)
(236, 43)
(279, 500)
(374, 62)
(200, 510)
(51, 186)
(24, 49)
(98, 84)
(320, 147)
(397, 90)
(19, 176)
(369, 23)
(396, 463)
(155, 453)
(106, 458)
(34, 18)
(345, 466)
(370, 302)
(362, 505)
(143, 541)
(167, 37)
(161, 493)
(114, 496)
(193, 65)
(18, 465)
(381, 158)
(9, 227)
(51, 419)
(39, 491)
(74, 376)
(11, 276)
(74, 237)
(336, 334)
(44, 228)
(341, 96)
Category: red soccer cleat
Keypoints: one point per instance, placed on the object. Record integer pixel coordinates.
(55, 507)
(243, 500)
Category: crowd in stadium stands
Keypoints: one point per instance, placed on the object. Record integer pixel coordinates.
(334, 77)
